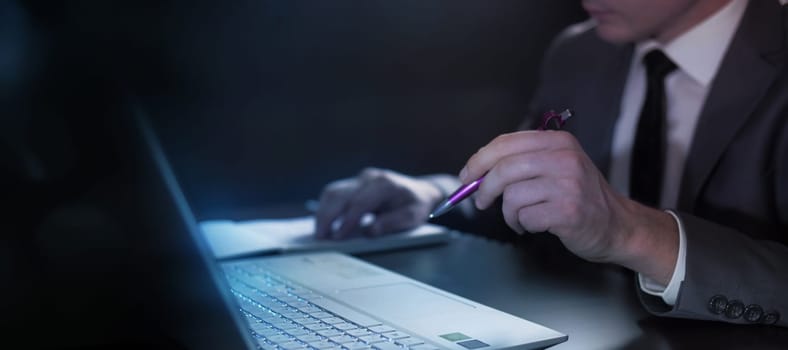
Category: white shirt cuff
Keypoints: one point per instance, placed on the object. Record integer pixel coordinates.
(670, 292)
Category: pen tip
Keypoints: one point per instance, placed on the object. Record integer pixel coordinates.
(431, 216)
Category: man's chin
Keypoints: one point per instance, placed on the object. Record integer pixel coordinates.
(615, 34)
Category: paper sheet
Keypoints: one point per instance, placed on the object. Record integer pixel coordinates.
(265, 236)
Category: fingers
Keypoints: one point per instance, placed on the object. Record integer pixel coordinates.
(522, 195)
(537, 182)
(332, 204)
(522, 199)
(522, 156)
(368, 198)
(511, 169)
(509, 144)
(344, 203)
(398, 202)
(401, 219)
(543, 204)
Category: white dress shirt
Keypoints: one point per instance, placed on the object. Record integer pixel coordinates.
(698, 54)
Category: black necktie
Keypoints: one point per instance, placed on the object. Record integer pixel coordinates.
(648, 152)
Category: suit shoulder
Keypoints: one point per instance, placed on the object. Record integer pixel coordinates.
(579, 39)
(578, 34)
(578, 31)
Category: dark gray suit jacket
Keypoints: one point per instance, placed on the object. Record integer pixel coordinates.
(734, 190)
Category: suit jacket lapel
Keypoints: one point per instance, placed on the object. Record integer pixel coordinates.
(608, 102)
(744, 76)
(602, 100)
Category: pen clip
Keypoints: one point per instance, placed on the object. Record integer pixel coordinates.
(559, 118)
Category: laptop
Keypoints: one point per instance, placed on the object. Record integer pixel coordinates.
(315, 300)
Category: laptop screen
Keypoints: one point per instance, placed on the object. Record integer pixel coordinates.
(192, 302)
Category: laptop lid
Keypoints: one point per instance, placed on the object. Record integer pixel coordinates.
(191, 301)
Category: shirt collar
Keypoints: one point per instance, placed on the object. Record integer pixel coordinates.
(699, 51)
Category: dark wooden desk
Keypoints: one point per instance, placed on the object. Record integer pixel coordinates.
(539, 280)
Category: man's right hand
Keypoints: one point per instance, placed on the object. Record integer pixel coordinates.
(398, 202)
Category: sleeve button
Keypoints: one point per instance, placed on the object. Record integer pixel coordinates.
(753, 313)
(734, 309)
(770, 317)
(717, 304)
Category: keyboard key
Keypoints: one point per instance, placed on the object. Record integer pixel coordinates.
(333, 320)
(358, 332)
(257, 326)
(410, 341)
(317, 326)
(306, 320)
(292, 345)
(273, 291)
(289, 299)
(311, 309)
(323, 344)
(387, 346)
(259, 313)
(292, 314)
(267, 332)
(346, 312)
(343, 339)
(285, 325)
(270, 318)
(357, 346)
(279, 338)
(320, 314)
(311, 297)
(299, 305)
(265, 345)
(381, 329)
(424, 347)
(298, 332)
(329, 332)
(344, 326)
(308, 338)
(373, 338)
(395, 335)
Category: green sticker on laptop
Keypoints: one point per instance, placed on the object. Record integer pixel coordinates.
(457, 336)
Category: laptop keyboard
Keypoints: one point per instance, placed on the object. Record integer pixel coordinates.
(286, 316)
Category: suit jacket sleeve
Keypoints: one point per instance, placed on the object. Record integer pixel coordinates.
(736, 217)
(738, 260)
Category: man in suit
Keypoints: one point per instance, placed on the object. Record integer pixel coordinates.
(676, 165)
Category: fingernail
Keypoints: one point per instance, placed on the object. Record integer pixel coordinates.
(463, 173)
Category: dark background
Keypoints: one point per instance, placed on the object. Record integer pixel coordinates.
(259, 104)
(276, 99)
(263, 102)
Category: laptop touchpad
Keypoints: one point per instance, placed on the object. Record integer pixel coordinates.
(401, 301)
